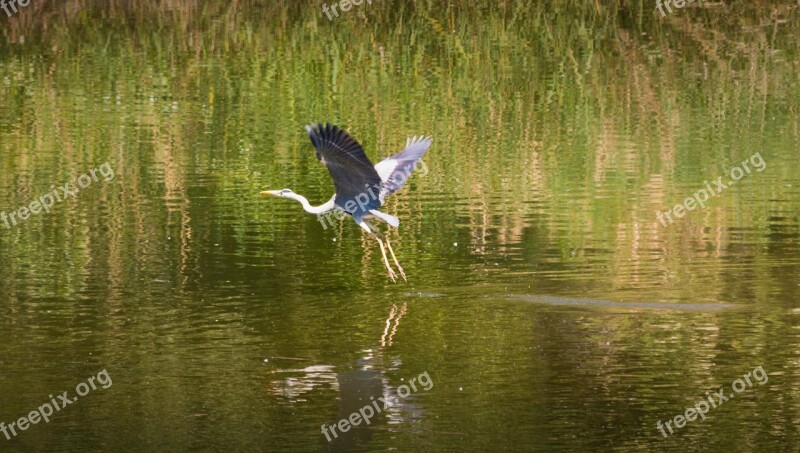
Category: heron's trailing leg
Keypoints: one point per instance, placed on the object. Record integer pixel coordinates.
(399, 267)
(392, 274)
(377, 233)
(397, 263)
(369, 228)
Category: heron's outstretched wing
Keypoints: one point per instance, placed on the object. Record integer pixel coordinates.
(395, 171)
(354, 177)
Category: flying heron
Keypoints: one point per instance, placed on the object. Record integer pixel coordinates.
(361, 187)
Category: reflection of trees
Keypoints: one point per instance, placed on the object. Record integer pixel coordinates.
(199, 94)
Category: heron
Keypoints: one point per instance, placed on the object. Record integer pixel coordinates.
(360, 187)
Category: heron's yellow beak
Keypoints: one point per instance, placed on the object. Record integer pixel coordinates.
(274, 193)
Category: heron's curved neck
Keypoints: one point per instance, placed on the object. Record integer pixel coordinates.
(312, 209)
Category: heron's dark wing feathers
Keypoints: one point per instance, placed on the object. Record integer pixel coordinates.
(352, 172)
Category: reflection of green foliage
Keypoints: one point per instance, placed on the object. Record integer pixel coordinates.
(549, 92)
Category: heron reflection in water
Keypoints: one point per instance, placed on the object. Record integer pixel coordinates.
(360, 386)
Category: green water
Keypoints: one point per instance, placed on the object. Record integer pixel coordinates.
(546, 303)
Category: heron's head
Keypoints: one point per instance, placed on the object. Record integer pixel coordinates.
(283, 193)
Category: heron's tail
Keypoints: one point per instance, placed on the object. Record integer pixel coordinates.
(390, 219)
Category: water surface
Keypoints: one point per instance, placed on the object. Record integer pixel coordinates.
(546, 302)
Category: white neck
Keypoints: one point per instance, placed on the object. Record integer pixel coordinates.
(325, 207)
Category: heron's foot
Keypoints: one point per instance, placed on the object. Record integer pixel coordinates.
(392, 274)
(402, 273)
